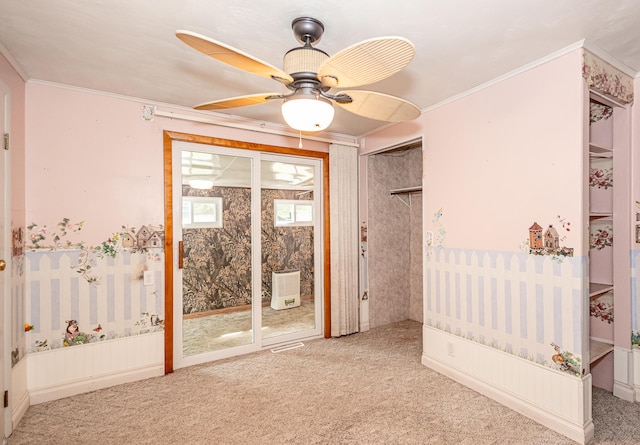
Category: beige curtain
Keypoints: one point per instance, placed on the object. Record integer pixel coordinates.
(343, 180)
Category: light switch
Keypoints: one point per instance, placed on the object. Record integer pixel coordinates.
(148, 277)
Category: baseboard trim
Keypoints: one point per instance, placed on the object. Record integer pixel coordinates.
(580, 435)
(635, 372)
(463, 360)
(19, 410)
(625, 392)
(55, 392)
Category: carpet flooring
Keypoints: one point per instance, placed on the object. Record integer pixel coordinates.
(366, 388)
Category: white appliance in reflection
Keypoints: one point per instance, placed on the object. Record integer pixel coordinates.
(285, 289)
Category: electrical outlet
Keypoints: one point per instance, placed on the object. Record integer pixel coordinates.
(450, 349)
(148, 278)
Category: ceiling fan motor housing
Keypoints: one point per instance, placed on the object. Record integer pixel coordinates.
(304, 62)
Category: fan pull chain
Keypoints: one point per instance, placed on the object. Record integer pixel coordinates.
(300, 143)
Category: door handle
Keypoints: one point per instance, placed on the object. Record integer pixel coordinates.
(180, 255)
(3, 264)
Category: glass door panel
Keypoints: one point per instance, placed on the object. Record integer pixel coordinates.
(249, 242)
(291, 296)
(216, 233)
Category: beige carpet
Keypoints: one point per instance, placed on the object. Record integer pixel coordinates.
(367, 388)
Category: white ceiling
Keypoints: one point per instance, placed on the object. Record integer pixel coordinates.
(128, 47)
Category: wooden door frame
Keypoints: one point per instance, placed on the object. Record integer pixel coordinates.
(169, 137)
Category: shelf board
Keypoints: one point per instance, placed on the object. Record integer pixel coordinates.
(599, 151)
(600, 215)
(598, 349)
(596, 289)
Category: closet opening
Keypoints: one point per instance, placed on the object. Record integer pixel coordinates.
(391, 235)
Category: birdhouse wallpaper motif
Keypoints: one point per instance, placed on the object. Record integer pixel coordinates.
(548, 241)
(535, 236)
(149, 239)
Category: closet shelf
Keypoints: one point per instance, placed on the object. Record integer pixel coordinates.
(598, 349)
(406, 191)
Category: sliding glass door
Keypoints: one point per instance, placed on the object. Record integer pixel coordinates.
(290, 248)
(247, 233)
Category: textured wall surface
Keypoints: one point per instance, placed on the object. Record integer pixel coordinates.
(395, 264)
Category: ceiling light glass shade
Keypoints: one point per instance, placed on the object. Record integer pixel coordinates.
(202, 184)
(307, 112)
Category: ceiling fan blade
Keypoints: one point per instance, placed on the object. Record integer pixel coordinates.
(232, 56)
(236, 102)
(366, 62)
(379, 106)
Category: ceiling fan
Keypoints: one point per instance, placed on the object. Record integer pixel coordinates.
(310, 74)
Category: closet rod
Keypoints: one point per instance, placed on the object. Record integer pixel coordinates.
(406, 190)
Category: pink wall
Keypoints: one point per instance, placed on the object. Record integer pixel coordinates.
(17, 128)
(92, 158)
(504, 157)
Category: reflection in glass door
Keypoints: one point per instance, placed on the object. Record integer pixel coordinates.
(289, 239)
(246, 246)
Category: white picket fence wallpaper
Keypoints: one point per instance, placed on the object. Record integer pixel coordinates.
(108, 301)
(532, 306)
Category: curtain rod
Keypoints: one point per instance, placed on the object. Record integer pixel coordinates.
(203, 120)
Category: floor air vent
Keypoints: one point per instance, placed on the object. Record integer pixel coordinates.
(287, 347)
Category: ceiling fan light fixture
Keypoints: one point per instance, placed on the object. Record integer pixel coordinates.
(309, 73)
(201, 184)
(306, 111)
